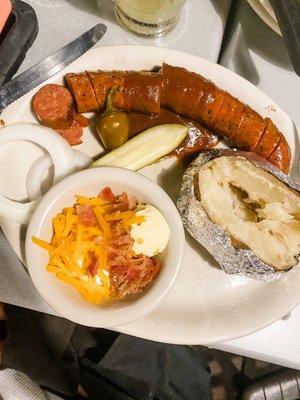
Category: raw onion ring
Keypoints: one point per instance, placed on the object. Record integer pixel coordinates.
(59, 150)
(41, 165)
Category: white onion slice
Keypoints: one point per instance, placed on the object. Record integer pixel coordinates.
(59, 150)
(42, 165)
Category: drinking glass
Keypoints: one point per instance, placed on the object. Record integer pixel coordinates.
(151, 18)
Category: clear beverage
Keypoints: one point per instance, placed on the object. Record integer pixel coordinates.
(152, 18)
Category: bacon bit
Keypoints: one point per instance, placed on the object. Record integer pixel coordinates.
(129, 279)
(133, 274)
(85, 214)
(126, 201)
(132, 202)
(119, 260)
(122, 240)
(117, 251)
(106, 194)
(93, 267)
(116, 271)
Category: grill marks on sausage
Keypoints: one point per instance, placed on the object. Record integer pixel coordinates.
(269, 140)
(250, 131)
(81, 87)
(139, 91)
(281, 155)
(230, 117)
(102, 82)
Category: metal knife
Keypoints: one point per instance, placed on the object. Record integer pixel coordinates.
(288, 16)
(43, 70)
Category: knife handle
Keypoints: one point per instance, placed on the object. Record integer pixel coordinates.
(16, 38)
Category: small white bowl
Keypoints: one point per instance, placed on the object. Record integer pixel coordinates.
(62, 297)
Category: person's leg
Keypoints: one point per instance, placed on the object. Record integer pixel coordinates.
(39, 346)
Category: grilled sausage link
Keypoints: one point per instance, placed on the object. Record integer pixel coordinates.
(190, 95)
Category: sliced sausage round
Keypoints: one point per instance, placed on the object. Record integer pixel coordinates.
(73, 134)
(82, 120)
(53, 105)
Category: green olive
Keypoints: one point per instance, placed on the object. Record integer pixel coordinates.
(113, 125)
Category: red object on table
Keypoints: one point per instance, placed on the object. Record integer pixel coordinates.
(5, 10)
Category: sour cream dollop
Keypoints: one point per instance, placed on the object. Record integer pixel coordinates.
(152, 235)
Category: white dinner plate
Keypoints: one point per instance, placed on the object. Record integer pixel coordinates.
(206, 305)
(265, 11)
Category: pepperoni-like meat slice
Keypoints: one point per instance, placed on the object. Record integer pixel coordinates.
(73, 134)
(53, 105)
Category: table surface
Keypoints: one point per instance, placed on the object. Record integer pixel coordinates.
(253, 51)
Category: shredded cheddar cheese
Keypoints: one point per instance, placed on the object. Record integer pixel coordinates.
(78, 251)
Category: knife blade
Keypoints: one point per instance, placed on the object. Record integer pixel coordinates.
(43, 70)
(288, 16)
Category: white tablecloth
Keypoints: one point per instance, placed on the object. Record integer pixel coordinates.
(199, 32)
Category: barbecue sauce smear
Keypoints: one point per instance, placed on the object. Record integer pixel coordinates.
(198, 137)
